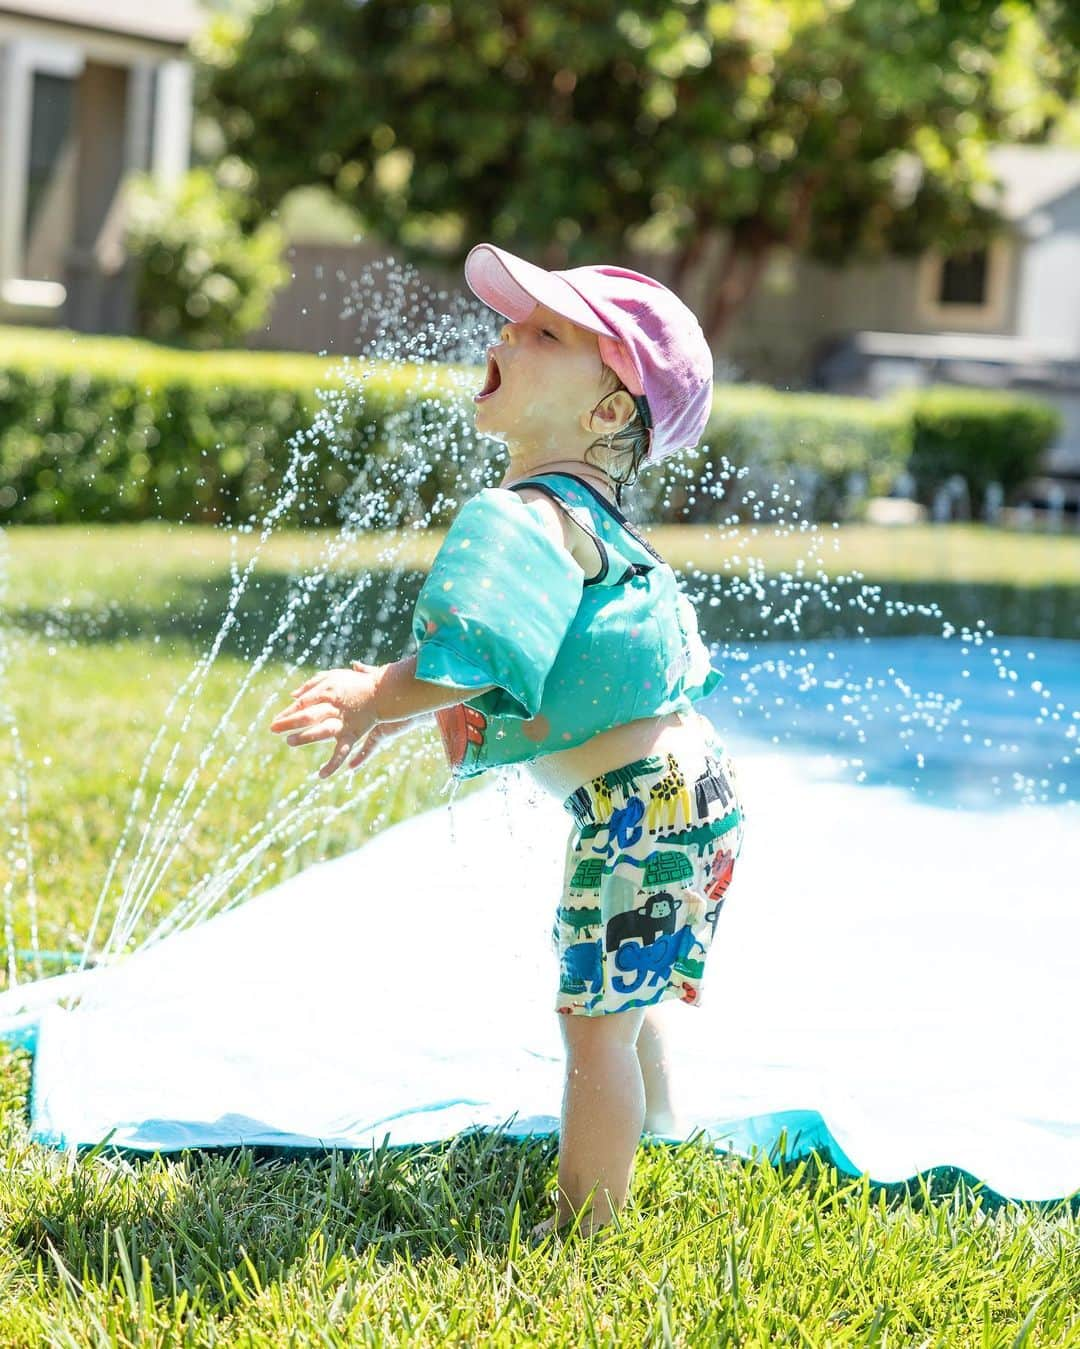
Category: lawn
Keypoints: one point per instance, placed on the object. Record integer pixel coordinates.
(102, 626)
(78, 561)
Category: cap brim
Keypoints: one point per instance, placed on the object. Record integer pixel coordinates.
(513, 287)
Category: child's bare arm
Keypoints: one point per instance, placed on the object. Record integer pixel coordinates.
(347, 705)
(400, 696)
(398, 690)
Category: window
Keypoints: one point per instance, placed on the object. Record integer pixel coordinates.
(965, 291)
(964, 278)
(51, 104)
(37, 170)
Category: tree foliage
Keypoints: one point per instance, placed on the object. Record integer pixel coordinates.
(711, 130)
(201, 281)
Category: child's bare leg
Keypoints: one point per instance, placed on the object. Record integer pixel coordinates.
(652, 1052)
(603, 1112)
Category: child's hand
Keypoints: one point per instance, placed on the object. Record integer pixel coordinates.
(335, 705)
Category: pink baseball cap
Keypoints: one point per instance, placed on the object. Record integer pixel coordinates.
(647, 335)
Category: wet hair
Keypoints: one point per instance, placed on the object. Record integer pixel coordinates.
(628, 446)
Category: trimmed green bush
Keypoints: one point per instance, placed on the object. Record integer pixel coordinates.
(116, 429)
(835, 450)
(982, 435)
(200, 280)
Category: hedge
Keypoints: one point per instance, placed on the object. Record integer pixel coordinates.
(834, 450)
(980, 435)
(117, 429)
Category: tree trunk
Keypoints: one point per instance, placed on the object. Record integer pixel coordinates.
(737, 276)
(748, 250)
(688, 259)
(802, 211)
(554, 257)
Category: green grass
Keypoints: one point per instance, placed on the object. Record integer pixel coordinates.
(78, 561)
(419, 1245)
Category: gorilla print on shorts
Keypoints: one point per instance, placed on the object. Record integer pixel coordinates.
(649, 862)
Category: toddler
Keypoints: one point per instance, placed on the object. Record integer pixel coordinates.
(550, 633)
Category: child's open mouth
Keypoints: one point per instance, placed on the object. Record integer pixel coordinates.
(491, 383)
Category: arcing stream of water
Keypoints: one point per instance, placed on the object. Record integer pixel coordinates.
(827, 661)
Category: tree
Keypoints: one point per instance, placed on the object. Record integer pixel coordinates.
(711, 130)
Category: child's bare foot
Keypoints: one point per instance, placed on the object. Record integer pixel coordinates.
(586, 1228)
(665, 1123)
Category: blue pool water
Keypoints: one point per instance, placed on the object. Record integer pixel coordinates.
(953, 722)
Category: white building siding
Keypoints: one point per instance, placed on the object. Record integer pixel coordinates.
(1049, 287)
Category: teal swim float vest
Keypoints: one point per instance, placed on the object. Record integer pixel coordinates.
(570, 655)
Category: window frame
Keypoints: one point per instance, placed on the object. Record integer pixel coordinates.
(28, 45)
(25, 58)
(990, 315)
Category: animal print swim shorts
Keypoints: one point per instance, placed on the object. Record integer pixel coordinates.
(649, 859)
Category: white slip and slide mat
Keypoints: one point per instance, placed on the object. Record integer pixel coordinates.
(891, 981)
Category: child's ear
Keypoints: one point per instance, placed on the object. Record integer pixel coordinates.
(611, 414)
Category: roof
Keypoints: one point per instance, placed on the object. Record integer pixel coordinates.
(174, 23)
(1032, 176)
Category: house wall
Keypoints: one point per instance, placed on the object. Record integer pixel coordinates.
(801, 305)
(327, 307)
(798, 307)
(7, 147)
(98, 275)
(1050, 285)
(72, 271)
